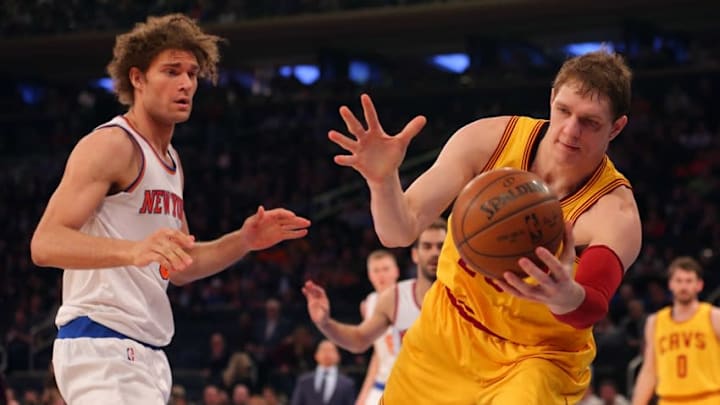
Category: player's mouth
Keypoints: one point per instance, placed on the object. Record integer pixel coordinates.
(569, 147)
(183, 103)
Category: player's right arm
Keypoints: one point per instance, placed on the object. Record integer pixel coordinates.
(369, 380)
(647, 378)
(354, 338)
(400, 216)
(104, 161)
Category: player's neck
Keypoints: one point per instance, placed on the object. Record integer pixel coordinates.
(158, 134)
(683, 311)
(422, 285)
(563, 180)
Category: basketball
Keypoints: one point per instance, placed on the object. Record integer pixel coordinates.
(503, 215)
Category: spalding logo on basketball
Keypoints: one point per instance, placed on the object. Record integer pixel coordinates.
(503, 215)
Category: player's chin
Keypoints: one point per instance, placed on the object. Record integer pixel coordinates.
(180, 116)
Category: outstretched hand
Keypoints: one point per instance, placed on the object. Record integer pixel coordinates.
(267, 228)
(556, 288)
(317, 302)
(373, 153)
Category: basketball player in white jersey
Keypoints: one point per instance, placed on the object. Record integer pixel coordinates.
(396, 307)
(383, 273)
(116, 224)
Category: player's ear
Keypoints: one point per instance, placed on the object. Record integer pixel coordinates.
(414, 255)
(137, 78)
(618, 126)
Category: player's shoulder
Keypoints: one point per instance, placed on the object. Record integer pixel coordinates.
(107, 151)
(308, 375)
(406, 284)
(487, 125)
(110, 139)
(650, 322)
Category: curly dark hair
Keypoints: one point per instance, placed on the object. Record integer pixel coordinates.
(139, 47)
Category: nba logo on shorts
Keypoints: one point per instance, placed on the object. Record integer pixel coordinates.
(131, 354)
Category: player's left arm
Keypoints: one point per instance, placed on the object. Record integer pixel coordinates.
(260, 231)
(715, 320)
(613, 234)
(614, 243)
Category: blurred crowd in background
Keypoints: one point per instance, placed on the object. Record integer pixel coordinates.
(248, 327)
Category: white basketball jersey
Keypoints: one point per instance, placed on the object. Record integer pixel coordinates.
(407, 310)
(383, 346)
(130, 300)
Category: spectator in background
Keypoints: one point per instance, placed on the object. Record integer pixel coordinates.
(325, 385)
(240, 395)
(178, 395)
(218, 359)
(609, 394)
(18, 341)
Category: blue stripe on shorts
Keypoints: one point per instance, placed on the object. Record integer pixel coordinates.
(85, 327)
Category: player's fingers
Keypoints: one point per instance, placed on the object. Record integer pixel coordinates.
(371, 116)
(296, 223)
(345, 160)
(556, 268)
(507, 287)
(183, 240)
(342, 141)
(535, 272)
(412, 128)
(294, 234)
(287, 218)
(313, 288)
(173, 254)
(526, 290)
(353, 125)
(176, 250)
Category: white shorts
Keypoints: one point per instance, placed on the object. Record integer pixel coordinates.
(91, 371)
(373, 396)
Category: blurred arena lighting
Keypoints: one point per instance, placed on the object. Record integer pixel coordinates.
(451, 62)
(31, 94)
(359, 71)
(581, 48)
(104, 83)
(285, 71)
(306, 74)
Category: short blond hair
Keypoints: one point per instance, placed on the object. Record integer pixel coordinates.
(601, 72)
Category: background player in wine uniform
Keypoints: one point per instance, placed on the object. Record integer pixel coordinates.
(510, 341)
(682, 344)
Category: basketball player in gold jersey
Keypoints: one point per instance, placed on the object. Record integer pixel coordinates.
(511, 341)
(682, 344)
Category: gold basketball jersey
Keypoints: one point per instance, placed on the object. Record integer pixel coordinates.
(687, 355)
(484, 304)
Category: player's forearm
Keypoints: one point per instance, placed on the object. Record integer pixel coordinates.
(349, 337)
(67, 248)
(392, 215)
(644, 388)
(212, 257)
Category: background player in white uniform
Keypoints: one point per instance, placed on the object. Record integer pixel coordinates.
(383, 273)
(397, 307)
(116, 224)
